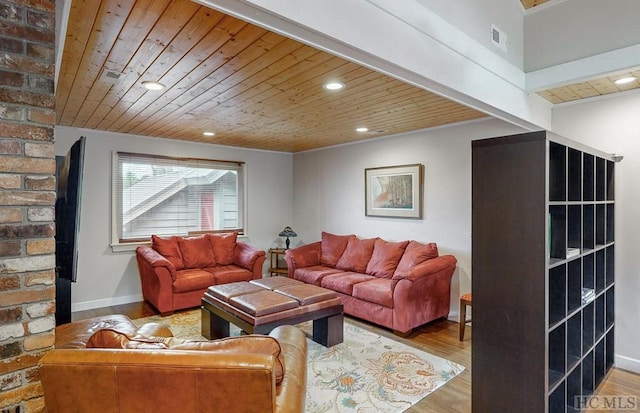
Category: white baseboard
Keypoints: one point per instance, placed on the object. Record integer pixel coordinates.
(453, 316)
(627, 363)
(106, 302)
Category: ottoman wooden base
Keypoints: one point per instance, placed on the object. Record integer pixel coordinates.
(260, 311)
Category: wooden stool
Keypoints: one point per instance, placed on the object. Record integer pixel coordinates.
(465, 300)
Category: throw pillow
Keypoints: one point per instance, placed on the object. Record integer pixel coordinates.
(332, 247)
(416, 253)
(109, 338)
(385, 258)
(223, 247)
(357, 255)
(168, 248)
(197, 252)
(245, 344)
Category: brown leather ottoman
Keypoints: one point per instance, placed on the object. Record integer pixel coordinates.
(259, 306)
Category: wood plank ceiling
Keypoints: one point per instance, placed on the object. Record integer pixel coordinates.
(591, 88)
(527, 4)
(252, 87)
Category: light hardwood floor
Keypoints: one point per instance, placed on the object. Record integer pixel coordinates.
(439, 338)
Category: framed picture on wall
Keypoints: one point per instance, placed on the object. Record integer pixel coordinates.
(394, 191)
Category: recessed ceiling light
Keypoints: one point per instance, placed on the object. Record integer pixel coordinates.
(362, 129)
(624, 80)
(208, 133)
(151, 85)
(333, 86)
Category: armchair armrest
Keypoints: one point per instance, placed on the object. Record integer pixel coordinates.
(290, 395)
(249, 257)
(432, 266)
(304, 256)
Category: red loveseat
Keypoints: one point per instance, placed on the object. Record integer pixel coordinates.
(176, 271)
(398, 285)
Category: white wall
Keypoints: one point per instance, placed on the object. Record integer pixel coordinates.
(476, 17)
(106, 278)
(328, 188)
(612, 125)
(577, 29)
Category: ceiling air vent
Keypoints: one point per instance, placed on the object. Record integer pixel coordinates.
(110, 76)
(499, 38)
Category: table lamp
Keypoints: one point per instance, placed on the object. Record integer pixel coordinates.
(287, 232)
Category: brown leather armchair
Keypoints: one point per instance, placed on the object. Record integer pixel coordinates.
(76, 378)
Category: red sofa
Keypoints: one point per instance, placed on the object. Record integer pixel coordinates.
(398, 285)
(176, 271)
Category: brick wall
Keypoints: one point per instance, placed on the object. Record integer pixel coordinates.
(27, 199)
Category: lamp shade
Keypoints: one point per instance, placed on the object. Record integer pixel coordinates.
(287, 232)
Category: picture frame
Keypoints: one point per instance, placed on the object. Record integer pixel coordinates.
(394, 191)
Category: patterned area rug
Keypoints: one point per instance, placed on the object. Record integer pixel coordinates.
(366, 373)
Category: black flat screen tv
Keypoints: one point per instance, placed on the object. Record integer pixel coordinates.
(69, 172)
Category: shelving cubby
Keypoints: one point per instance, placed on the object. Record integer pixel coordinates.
(543, 280)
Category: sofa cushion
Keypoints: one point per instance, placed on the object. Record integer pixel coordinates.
(224, 274)
(344, 282)
(110, 338)
(245, 344)
(192, 280)
(379, 291)
(314, 274)
(196, 252)
(332, 247)
(385, 258)
(357, 255)
(168, 248)
(224, 246)
(416, 253)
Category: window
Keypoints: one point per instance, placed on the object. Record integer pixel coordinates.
(174, 196)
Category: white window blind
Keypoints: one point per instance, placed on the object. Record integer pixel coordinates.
(174, 196)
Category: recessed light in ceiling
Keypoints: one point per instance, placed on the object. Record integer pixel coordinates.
(362, 130)
(151, 85)
(624, 80)
(208, 133)
(333, 86)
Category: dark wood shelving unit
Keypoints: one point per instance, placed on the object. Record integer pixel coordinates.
(543, 272)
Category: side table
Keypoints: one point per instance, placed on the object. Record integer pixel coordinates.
(277, 264)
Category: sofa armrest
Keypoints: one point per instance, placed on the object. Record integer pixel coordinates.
(249, 257)
(156, 278)
(154, 259)
(304, 256)
(423, 293)
(432, 266)
(245, 255)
